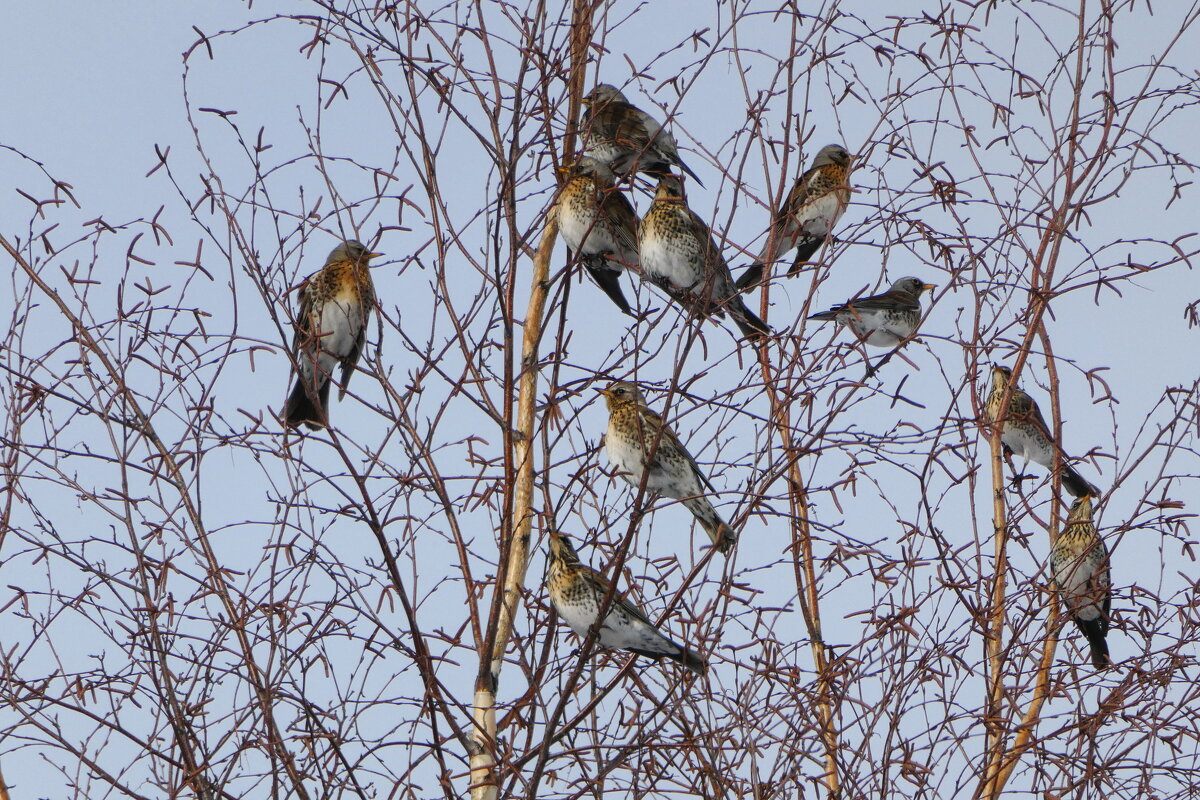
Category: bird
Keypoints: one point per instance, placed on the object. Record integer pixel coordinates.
(808, 215)
(577, 592)
(633, 430)
(1079, 564)
(1025, 432)
(598, 223)
(882, 320)
(626, 138)
(335, 303)
(677, 253)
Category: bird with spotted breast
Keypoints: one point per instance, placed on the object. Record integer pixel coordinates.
(626, 138)
(599, 225)
(812, 208)
(335, 304)
(1025, 433)
(634, 431)
(577, 592)
(678, 254)
(882, 320)
(1080, 566)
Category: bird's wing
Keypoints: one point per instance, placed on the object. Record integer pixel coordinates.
(1024, 408)
(619, 598)
(714, 259)
(625, 125)
(304, 316)
(888, 301)
(616, 206)
(802, 193)
(669, 439)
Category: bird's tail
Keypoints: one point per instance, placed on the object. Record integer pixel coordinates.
(717, 529)
(1076, 484)
(751, 277)
(691, 174)
(608, 280)
(806, 247)
(690, 660)
(747, 321)
(827, 316)
(300, 409)
(1095, 631)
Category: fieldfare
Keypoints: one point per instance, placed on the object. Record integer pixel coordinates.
(626, 138)
(808, 215)
(599, 225)
(1026, 433)
(577, 592)
(1079, 564)
(633, 430)
(883, 320)
(679, 255)
(335, 304)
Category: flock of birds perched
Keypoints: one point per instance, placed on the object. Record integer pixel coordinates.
(672, 247)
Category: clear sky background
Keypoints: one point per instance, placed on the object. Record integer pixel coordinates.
(900, 488)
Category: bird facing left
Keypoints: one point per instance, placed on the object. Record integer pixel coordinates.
(577, 592)
(331, 326)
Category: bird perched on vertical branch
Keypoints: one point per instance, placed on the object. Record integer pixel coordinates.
(633, 431)
(808, 215)
(626, 138)
(335, 304)
(678, 253)
(1024, 432)
(1079, 564)
(882, 320)
(598, 223)
(577, 592)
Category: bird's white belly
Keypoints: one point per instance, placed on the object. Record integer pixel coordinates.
(676, 266)
(818, 218)
(627, 459)
(1029, 447)
(587, 235)
(336, 334)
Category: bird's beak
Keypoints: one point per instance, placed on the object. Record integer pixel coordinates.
(587, 101)
(605, 392)
(564, 169)
(374, 255)
(928, 287)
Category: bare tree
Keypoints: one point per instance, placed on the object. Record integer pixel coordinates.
(199, 602)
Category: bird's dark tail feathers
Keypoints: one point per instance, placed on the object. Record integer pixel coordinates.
(690, 660)
(300, 409)
(751, 277)
(723, 536)
(1076, 484)
(691, 174)
(806, 247)
(685, 657)
(608, 280)
(747, 321)
(1096, 631)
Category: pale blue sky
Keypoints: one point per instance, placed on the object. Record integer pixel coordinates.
(93, 104)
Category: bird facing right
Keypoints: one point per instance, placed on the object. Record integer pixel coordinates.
(335, 304)
(1025, 432)
(808, 215)
(883, 320)
(577, 592)
(1080, 566)
(678, 254)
